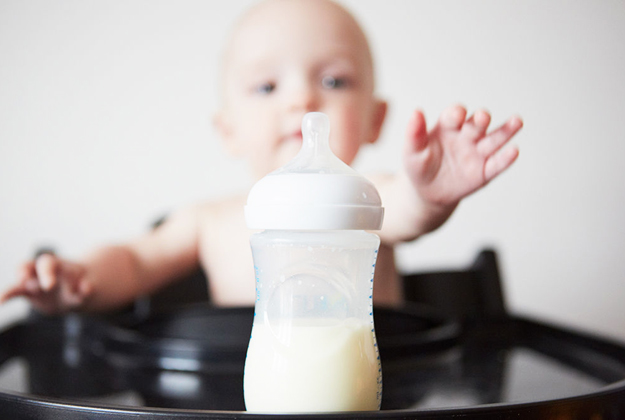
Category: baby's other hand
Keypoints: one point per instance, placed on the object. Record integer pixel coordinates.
(51, 284)
(457, 157)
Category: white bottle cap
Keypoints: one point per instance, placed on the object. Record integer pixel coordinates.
(315, 190)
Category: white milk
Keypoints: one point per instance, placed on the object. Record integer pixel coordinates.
(312, 366)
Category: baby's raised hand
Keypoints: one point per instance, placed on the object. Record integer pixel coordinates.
(458, 156)
(52, 285)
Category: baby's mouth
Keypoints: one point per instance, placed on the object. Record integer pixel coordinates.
(291, 144)
(295, 136)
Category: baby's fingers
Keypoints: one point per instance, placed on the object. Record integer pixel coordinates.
(27, 283)
(499, 162)
(46, 267)
(475, 127)
(74, 278)
(495, 140)
(416, 133)
(15, 291)
(27, 277)
(453, 117)
(51, 270)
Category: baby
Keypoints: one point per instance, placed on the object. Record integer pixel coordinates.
(286, 58)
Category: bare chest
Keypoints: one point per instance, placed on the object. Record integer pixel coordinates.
(226, 257)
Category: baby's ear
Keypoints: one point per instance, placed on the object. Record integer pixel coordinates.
(377, 119)
(224, 128)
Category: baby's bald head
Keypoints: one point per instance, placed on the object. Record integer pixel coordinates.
(298, 24)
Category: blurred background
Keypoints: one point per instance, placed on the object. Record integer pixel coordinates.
(105, 125)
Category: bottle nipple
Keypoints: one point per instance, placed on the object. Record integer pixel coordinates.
(316, 133)
(316, 156)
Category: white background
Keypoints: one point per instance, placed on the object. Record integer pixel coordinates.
(105, 110)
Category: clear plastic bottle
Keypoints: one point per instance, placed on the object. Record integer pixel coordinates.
(313, 345)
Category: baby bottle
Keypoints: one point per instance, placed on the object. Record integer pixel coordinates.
(313, 345)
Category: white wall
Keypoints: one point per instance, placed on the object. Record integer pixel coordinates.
(105, 125)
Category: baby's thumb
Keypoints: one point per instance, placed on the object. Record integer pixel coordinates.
(46, 267)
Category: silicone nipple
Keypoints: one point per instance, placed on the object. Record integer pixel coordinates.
(316, 132)
(315, 156)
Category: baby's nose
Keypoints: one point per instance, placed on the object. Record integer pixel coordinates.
(304, 98)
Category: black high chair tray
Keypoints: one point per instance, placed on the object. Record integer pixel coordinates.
(188, 364)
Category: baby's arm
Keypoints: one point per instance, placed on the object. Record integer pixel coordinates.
(114, 275)
(456, 158)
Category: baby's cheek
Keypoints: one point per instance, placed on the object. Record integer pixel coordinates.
(354, 131)
(287, 152)
(346, 144)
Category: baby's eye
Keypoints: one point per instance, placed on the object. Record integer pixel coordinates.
(330, 82)
(265, 88)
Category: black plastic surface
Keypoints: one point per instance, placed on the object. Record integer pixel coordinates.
(188, 364)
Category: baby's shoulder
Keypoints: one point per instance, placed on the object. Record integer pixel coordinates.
(218, 212)
(222, 222)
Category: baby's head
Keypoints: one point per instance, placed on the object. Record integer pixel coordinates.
(289, 57)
